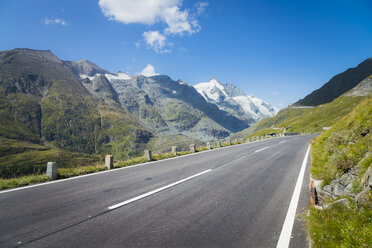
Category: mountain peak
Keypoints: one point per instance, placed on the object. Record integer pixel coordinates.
(33, 54)
(214, 80)
(212, 90)
(85, 67)
(230, 98)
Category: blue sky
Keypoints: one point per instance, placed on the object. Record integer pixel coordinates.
(279, 51)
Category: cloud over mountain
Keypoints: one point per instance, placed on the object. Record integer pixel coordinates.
(148, 71)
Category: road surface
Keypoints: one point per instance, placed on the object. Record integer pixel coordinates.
(236, 196)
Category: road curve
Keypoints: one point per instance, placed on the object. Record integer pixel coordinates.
(236, 196)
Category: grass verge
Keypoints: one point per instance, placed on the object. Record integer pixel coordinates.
(341, 227)
(82, 170)
(335, 152)
(22, 181)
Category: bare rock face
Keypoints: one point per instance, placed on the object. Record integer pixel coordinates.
(364, 88)
(85, 67)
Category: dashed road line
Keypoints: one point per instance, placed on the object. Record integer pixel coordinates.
(155, 191)
(261, 149)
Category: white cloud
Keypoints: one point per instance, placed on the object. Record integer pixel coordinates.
(275, 93)
(183, 49)
(157, 41)
(59, 21)
(136, 11)
(148, 71)
(200, 7)
(177, 21)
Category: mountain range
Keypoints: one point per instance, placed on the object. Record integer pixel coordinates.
(81, 107)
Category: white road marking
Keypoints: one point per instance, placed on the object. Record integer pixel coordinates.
(285, 235)
(155, 191)
(261, 149)
(282, 141)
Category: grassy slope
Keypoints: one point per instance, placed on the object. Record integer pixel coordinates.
(305, 120)
(47, 115)
(333, 153)
(21, 158)
(342, 147)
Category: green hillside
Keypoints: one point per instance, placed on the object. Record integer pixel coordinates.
(20, 158)
(46, 114)
(340, 148)
(347, 145)
(315, 119)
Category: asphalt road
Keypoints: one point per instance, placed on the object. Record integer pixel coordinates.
(236, 196)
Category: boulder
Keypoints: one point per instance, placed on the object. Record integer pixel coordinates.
(346, 179)
(339, 189)
(340, 202)
(362, 197)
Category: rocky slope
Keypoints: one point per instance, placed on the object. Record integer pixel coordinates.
(164, 106)
(233, 100)
(364, 88)
(338, 85)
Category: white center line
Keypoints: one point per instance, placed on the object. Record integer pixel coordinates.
(261, 149)
(155, 191)
(282, 141)
(285, 235)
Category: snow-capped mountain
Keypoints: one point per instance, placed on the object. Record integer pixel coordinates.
(162, 105)
(231, 99)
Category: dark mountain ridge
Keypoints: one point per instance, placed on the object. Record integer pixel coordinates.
(338, 85)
